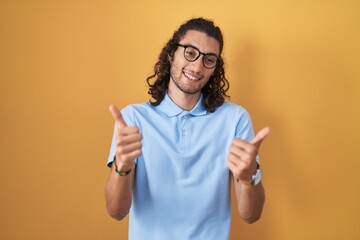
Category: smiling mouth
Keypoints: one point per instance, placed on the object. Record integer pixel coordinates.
(191, 77)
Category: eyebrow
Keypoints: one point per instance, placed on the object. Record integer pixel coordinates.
(190, 45)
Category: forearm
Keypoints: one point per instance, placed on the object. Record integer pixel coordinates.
(118, 194)
(250, 200)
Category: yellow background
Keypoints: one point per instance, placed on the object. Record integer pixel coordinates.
(295, 65)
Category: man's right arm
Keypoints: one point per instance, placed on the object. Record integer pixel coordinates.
(118, 189)
(118, 192)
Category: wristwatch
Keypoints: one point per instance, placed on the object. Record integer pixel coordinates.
(256, 178)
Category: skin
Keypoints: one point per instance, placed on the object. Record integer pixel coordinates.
(118, 188)
(183, 89)
(186, 81)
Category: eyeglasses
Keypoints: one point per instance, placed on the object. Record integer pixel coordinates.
(191, 53)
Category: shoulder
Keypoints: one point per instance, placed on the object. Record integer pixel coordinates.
(241, 117)
(133, 111)
(136, 107)
(231, 114)
(232, 109)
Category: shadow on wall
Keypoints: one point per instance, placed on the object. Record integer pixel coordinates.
(287, 184)
(243, 91)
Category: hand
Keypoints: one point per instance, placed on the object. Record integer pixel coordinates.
(242, 156)
(128, 141)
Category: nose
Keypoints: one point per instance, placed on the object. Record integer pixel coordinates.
(197, 65)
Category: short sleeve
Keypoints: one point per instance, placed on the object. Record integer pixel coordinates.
(244, 128)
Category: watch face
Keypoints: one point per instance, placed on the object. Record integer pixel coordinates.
(257, 177)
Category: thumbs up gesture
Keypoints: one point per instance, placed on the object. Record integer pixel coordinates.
(242, 156)
(128, 141)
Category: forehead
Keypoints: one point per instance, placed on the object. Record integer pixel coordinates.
(202, 41)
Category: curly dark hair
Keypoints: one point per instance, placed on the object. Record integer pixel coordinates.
(214, 92)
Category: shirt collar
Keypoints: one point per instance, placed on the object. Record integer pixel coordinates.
(170, 109)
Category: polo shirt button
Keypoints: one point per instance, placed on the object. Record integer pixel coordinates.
(186, 116)
(184, 133)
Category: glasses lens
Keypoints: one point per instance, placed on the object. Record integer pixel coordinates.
(191, 53)
(210, 61)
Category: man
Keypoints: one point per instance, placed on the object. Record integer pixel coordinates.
(171, 158)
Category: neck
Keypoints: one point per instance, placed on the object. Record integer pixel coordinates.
(184, 100)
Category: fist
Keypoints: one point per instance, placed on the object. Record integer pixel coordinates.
(242, 156)
(128, 141)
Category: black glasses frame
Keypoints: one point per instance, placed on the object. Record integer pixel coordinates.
(218, 60)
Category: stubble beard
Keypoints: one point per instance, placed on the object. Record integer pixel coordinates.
(185, 89)
(181, 86)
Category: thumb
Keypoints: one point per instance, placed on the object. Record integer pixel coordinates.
(260, 136)
(115, 112)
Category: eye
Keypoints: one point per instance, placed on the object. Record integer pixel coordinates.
(190, 53)
(210, 59)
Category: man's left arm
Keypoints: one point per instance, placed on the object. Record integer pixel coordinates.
(242, 163)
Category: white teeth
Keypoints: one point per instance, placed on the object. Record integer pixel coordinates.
(190, 76)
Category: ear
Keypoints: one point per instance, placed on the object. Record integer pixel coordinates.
(169, 58)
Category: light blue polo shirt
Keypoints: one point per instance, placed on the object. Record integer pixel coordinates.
(182, 184)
